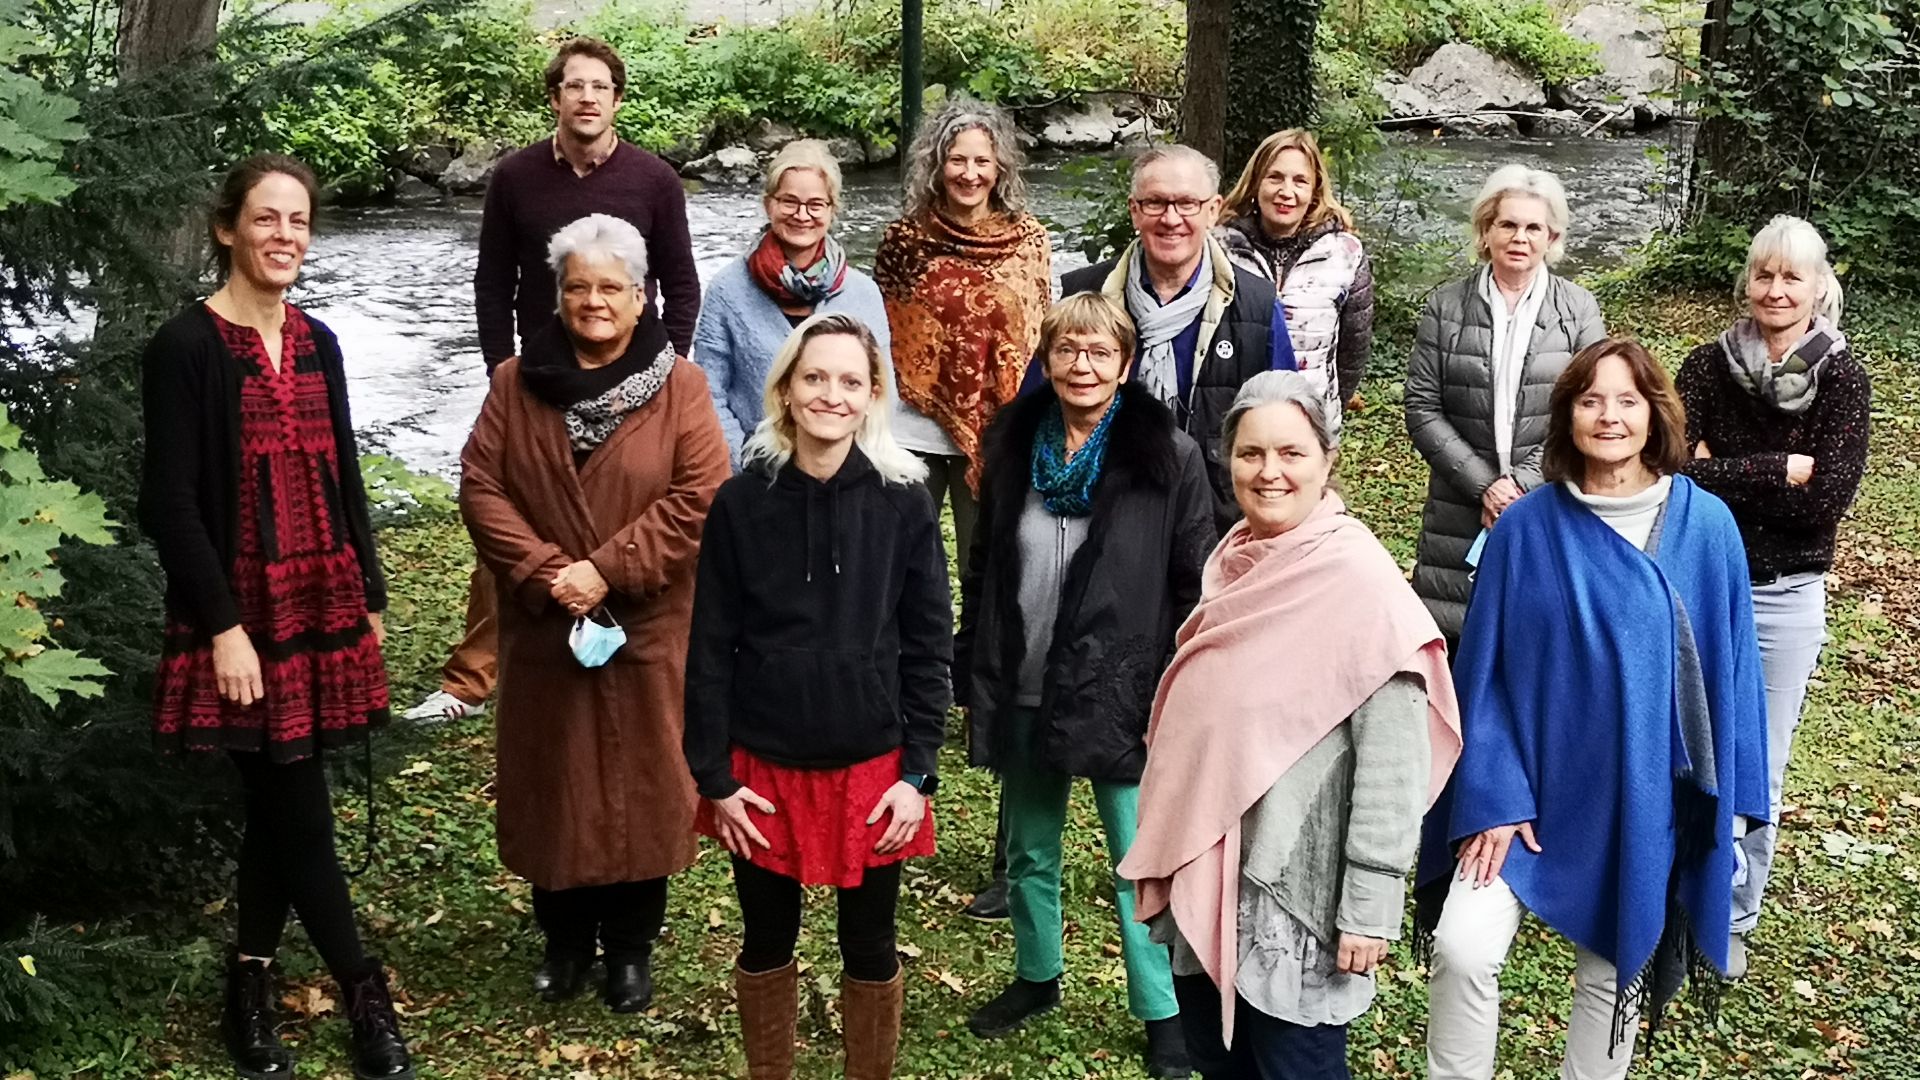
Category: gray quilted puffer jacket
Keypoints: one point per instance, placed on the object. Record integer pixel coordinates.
(1449, 403)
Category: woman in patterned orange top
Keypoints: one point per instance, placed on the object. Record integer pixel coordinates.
(966, 274)
(251, 492)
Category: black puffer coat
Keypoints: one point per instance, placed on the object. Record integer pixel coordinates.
(1127, 590)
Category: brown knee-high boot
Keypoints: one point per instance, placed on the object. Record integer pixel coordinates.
(870, 1025)
(769, 1012)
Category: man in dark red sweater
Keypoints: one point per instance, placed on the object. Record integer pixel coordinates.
(585, 168)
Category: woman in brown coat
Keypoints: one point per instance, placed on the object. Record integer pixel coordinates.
(586, 483)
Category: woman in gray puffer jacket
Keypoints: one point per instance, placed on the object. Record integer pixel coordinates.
(1485, 358)
(1284, 223)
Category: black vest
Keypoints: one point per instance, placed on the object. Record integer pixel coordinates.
(1240, 349)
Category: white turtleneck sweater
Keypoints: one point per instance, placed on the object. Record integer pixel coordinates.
(1632, 516)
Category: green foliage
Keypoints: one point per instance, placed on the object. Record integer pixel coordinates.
(397, 494)
(36, 125)
(1401, 33)
(36, 515)
(1016, 51)
(46, 970)
(1270, 47)
(1813, 109)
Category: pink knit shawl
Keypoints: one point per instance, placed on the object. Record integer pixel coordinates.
(1292, 634)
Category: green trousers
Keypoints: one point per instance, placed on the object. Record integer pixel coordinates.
(1035, 798)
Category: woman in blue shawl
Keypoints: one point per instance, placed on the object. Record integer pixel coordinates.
(1615, 726)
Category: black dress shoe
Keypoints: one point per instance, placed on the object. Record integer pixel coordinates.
(1010, 1010)
(560, 977)
(990, 903)
(629, 984)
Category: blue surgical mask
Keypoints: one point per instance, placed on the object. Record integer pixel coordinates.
(594, 644)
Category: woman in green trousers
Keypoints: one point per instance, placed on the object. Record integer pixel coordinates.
(1095, 520)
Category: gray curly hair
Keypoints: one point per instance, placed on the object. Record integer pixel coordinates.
(924, 189)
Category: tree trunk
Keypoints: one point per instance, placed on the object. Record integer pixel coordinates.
(1203, 108)
(155, 34)
(1269, 72)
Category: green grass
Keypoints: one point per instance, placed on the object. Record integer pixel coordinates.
(1834, 988)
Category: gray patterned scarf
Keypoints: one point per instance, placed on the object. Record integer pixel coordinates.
(1790, 384)
(1156, 368)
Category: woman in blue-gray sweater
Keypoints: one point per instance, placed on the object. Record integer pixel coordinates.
(793, 270)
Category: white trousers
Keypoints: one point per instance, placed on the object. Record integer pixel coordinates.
(1469, 949)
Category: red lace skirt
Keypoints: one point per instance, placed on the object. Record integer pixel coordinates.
(819, 832)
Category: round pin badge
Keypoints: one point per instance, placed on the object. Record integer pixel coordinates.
(1223, 349)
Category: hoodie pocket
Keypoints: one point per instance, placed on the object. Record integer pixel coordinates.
(828, 704)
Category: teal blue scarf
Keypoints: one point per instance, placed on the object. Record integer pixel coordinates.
(1066, 484)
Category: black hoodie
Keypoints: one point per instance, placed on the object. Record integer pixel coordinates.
(822, 625)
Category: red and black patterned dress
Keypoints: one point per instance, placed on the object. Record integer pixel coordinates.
(296, 577)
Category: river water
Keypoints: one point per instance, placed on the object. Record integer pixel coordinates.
(396, 283)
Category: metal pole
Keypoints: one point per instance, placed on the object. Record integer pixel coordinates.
(912, 70)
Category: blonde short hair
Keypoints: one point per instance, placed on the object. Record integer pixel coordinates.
(1323, 206)
(1520, 180)
(1794, 243)
(1086, 313)
(770, 446)
(804, 154)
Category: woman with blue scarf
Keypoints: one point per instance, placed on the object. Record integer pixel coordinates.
(1615, 728)
(1095, 521)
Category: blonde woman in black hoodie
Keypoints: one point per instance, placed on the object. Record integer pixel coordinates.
(817, 685)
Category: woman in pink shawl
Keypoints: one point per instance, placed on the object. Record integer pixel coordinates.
(1279, 814)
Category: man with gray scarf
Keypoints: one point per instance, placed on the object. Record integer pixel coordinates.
(1205, 326)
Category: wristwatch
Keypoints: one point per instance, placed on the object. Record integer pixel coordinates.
(922, 783)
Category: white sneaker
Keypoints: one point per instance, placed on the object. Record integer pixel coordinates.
(440, 707)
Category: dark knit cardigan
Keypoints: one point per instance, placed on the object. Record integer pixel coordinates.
(1787, 528)
(190, 478)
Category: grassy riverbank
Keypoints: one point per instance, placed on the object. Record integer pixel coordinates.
(1836, 971)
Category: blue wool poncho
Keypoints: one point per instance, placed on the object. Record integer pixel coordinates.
(1614, 699)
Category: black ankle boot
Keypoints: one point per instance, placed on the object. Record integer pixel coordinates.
(379, 1053)
(247, 1022)
(629, 986)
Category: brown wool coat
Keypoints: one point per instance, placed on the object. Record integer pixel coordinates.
(592, 785)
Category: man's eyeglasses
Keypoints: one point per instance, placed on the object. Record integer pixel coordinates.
(578, 89)
(791, 206)
(1157, 207)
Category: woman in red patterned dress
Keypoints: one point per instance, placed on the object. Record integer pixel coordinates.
(251, 492)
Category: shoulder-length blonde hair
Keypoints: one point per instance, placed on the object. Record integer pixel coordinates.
(1243, 199)
(926, 157)
(1793, 243)
(1522, 181)
(771, 445)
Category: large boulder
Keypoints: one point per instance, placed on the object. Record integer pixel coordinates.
(847, 151)
(468, 174)
(1092, 125)
(727, 165)
(1405, 102)
(1460, 79)
(1637, 78)
(428, 163)
(766, 135)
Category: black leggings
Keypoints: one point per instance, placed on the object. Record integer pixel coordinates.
(288, 862)
(624, 918)
(770, 909)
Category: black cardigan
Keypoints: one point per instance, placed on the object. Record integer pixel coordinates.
(190, 477)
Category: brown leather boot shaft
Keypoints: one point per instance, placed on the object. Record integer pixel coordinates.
(769, 1012)
(870, 1025)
